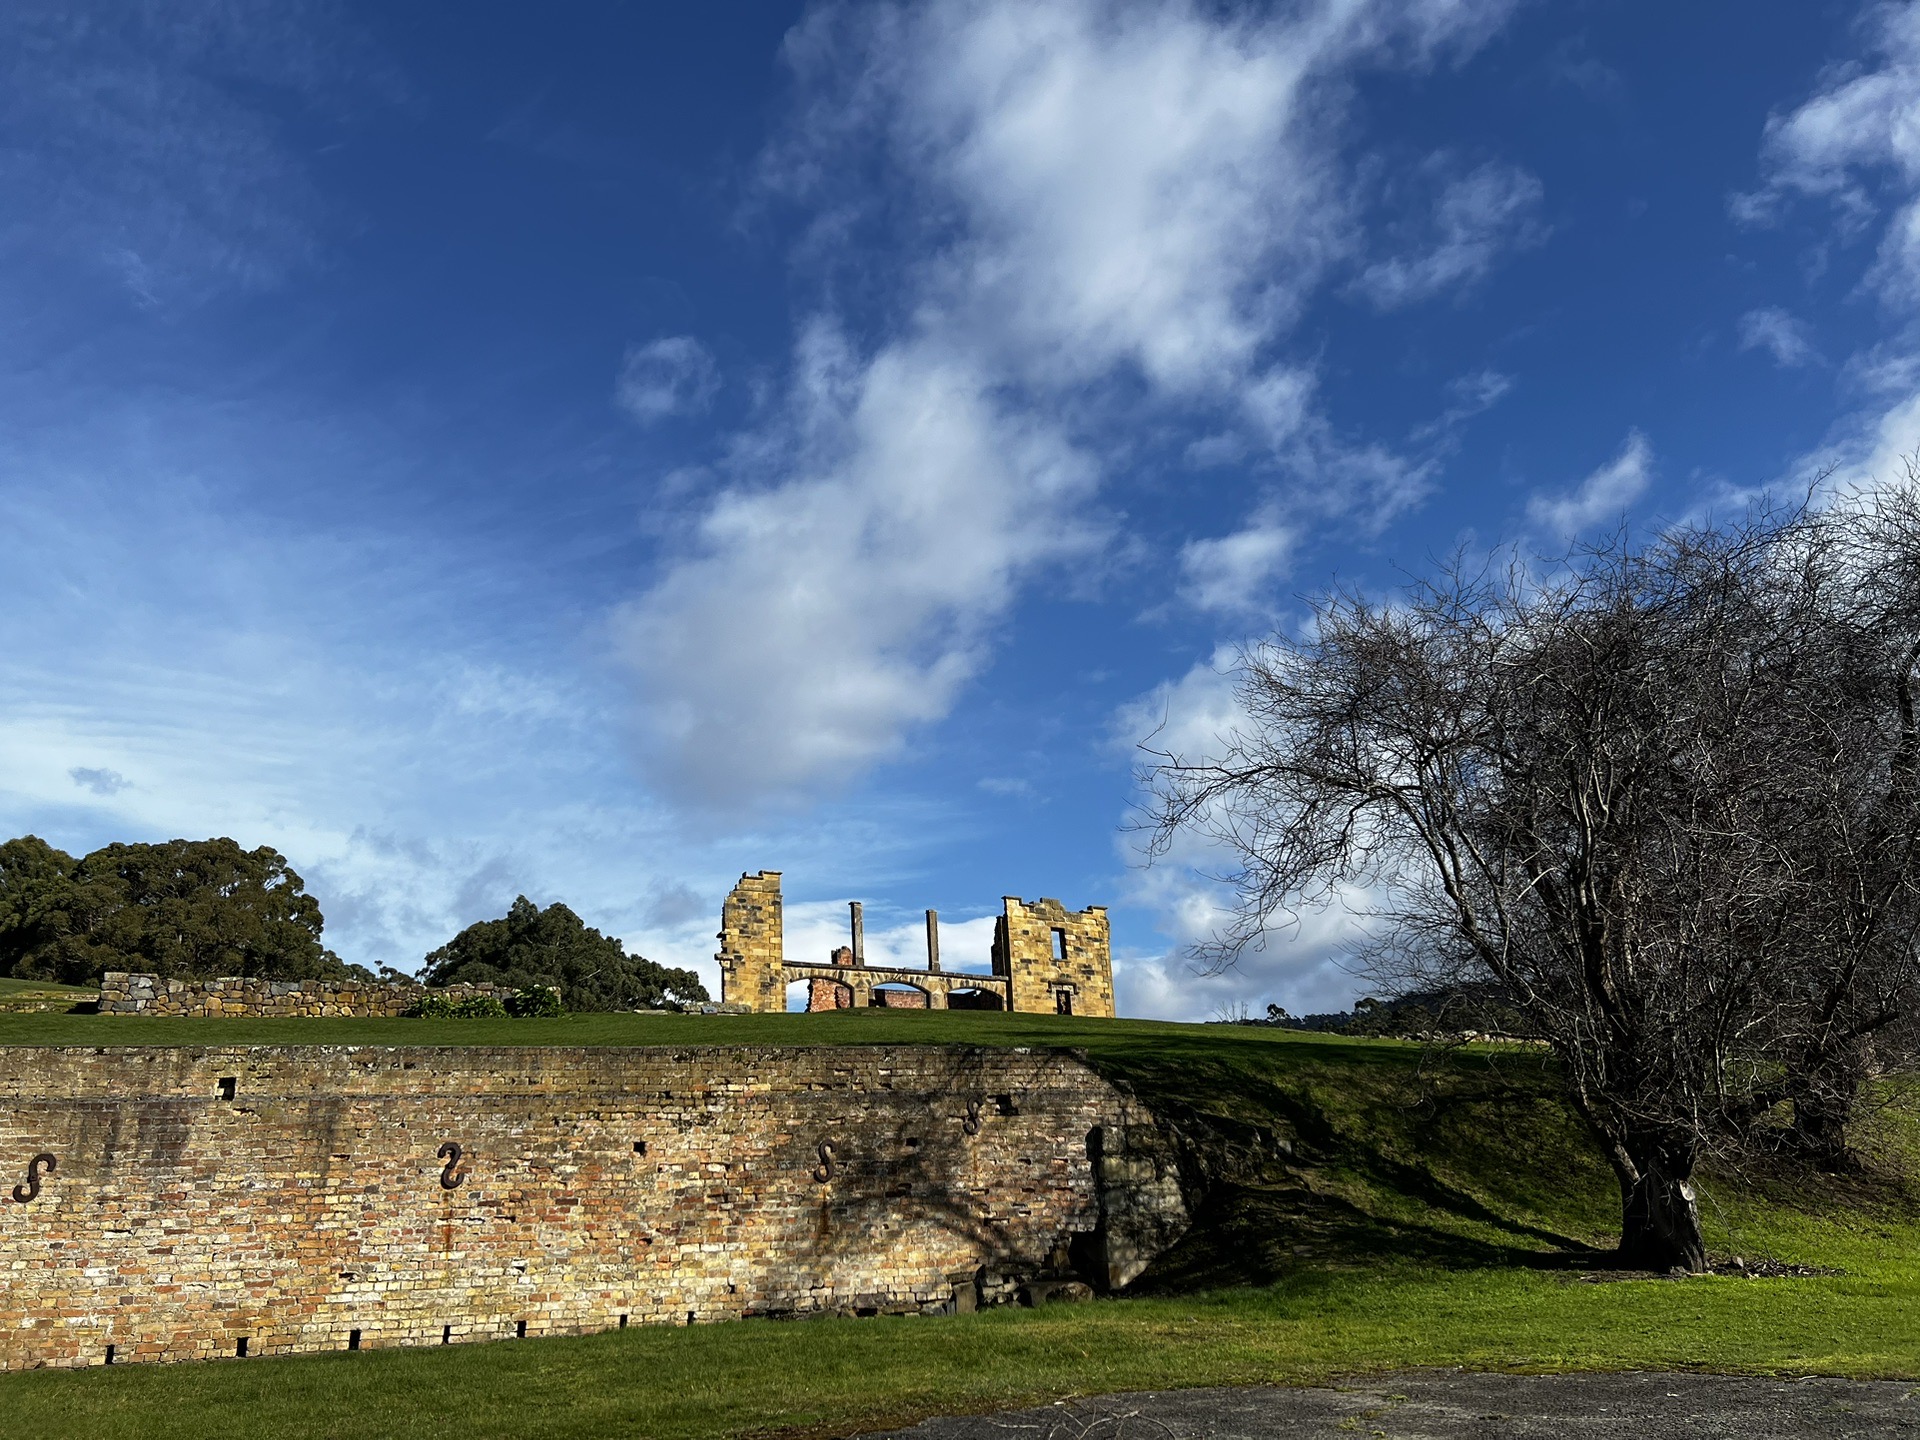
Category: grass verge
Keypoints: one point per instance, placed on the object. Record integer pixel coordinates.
(838, 1377)
(1373, 1207)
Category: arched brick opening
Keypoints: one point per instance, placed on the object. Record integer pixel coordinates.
(898, 995)
(819, 992)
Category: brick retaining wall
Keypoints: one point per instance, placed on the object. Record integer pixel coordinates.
(307, 1198)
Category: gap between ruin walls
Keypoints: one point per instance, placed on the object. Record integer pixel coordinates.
(296, 1199)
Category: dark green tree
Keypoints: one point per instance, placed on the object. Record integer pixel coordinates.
(185, 909)
(554, 946)
(36, 882)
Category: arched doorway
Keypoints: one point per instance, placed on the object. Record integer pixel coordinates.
(974, 1000)
(896, 995)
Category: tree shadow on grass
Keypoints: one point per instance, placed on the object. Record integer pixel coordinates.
(1317, 1162)
(1249, 1235)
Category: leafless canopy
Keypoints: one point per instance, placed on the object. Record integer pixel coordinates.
(1664, 795)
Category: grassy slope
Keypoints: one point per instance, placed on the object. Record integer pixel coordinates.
(45, 987)
(1435, 1210)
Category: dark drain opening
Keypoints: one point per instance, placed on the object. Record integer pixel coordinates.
(623, 1322)
(229, 1084)
(109, 1354)
(240, 1348)
(520, 1330)
(353, 1339)
(446, 1334)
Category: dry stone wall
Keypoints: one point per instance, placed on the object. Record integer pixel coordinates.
(124, 994)
(183, 1203)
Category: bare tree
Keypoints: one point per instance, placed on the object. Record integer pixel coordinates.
(1647, 792)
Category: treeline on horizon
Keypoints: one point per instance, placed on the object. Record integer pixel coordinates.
(209, 909)
(1442, 1013)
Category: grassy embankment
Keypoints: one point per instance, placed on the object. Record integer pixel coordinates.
(1437, 1210)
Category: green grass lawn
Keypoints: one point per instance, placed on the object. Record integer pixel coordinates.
(1375, 1207)
(843, 1027)
(45, 987)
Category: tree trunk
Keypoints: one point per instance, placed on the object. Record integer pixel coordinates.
(1660, 1222)
(1820, 1134)
(1823, 1104)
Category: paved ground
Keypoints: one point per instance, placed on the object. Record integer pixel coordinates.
(1448, 1405)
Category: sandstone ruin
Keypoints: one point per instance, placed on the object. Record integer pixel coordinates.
(1046, 960)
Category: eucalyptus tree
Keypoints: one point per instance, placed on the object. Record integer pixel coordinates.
(529, 947)
(181, 908)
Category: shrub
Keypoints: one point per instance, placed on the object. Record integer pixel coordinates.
(445, 1007)
(536, 1002)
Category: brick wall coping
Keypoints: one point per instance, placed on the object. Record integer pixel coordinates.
(731, 1054)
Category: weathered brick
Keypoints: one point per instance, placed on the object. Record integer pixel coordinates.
(311, 1204)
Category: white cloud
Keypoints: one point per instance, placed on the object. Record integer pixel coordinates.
(674, 375)
(1299, 965)
(1008, 787)
(1602, 496)
(1234, 573)
(1195, 715)
(1141, 185)
(1469, 395)
(1095, 192)
(824, 616)
(1779, 334)
(1477, 216)
(1855, 144)
(1863, 125)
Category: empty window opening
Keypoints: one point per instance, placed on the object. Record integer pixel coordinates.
(520, 1330)
(1003, 1105)
(240, 1348)
(1059, 943)
(229, 1086)
(1063, 1002)
(109, 1354)
(446, 1334)
(353, 1339)
(639, 1147)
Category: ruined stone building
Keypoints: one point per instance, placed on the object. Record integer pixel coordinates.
(1046, 960)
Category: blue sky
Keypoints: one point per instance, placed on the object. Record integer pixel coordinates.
(591, 451)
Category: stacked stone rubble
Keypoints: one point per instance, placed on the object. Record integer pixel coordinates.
(125, 994)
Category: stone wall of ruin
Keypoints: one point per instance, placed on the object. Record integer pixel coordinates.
(1023, 951)
(124, 994)
(189, 1203)
(753, 944)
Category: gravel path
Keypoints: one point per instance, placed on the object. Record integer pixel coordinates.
(1451, 1405)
